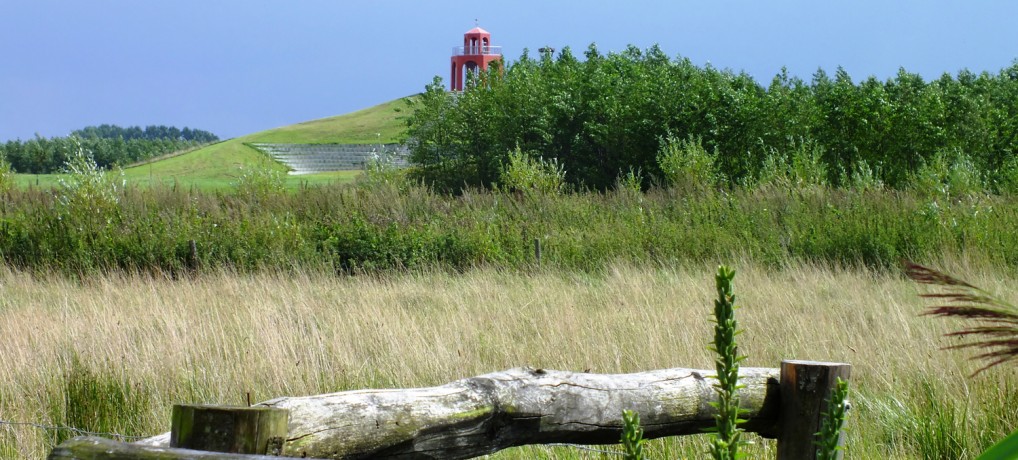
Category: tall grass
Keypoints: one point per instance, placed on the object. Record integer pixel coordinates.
(146, 342)
(384, 227)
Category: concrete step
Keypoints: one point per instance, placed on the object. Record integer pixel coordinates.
(311, 158)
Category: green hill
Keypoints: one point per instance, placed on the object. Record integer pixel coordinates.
(218, 166)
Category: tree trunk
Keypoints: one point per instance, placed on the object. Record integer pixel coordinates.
(487, 413)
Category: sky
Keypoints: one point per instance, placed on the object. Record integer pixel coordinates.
(236, 67)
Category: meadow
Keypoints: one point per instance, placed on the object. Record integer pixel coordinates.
(399, 278)
(112, 353)
(110, 319)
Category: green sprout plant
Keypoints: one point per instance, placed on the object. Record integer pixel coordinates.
(829, 436)
(726, 438)
(632, 436)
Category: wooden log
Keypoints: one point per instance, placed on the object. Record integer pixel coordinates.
(92, 448)
(241, 430)
(487, 413)
(805, 391)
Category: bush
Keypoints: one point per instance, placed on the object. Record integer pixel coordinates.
(381, 170)
(863, 177)
(527, 174)
(803, 167)
(1006, 177)
(685, 164)
(88, 197)
(948, 174)
(6, 176)
(259, 182)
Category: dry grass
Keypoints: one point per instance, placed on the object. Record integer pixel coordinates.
(213, 339)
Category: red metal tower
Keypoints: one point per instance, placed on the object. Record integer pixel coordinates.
(475, 55)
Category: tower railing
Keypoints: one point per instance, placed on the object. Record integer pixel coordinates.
(475, 50)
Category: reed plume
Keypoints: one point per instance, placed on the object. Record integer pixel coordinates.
(994, 328)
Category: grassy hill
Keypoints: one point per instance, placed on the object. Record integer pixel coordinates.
(218, 166)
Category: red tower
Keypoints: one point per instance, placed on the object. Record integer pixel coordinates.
(475, 54)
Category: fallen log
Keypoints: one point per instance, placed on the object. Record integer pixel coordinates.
(487, 413)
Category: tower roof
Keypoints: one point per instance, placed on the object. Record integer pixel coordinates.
(478, 30)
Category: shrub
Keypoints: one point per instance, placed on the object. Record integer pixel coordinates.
(863, 177)
(1006, 177)
(685, 164)
(803, 167)
(6, 176)
(630, 183)
(259, 182)
(948, 174)
(527, 174)
(381, 170)
(88, 197)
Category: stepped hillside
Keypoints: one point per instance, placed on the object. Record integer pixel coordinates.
(218, 166)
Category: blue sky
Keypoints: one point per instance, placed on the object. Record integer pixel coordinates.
(235, 67)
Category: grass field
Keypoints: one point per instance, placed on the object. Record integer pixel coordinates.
(128, 347)
(217, 167)
(380, 123)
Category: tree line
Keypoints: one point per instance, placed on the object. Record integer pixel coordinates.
(109, 145)
(151, 133)
(611, 114)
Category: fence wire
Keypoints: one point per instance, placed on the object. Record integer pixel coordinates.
(585, 448)
(76, 431)
(125, 437)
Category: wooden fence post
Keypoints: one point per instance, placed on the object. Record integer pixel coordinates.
(805, 392)
(537, 251)
(192, 254)
(241, 430)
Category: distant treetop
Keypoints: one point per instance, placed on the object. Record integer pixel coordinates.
(148, 133)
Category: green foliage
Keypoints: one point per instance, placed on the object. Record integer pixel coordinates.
(829, 437)
(948, 174)
(381, 170)
(803, 167)
(433, 141)
(110, 146)
(524, 173)
(608, 113)
(630, 183)
(726, 437)
(1006, 177)
(260, 182)
(685, 164)
(150, 133)
(387, 228)
(6, 176)
(632, 436)
(88, 197)
(863, 177)
(97, 401)
(940, 428)
(1003, 450)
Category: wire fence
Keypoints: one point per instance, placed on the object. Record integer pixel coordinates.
(126, 438)
(587, 449)
(76, 431)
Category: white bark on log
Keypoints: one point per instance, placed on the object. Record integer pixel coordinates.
(487, 413)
